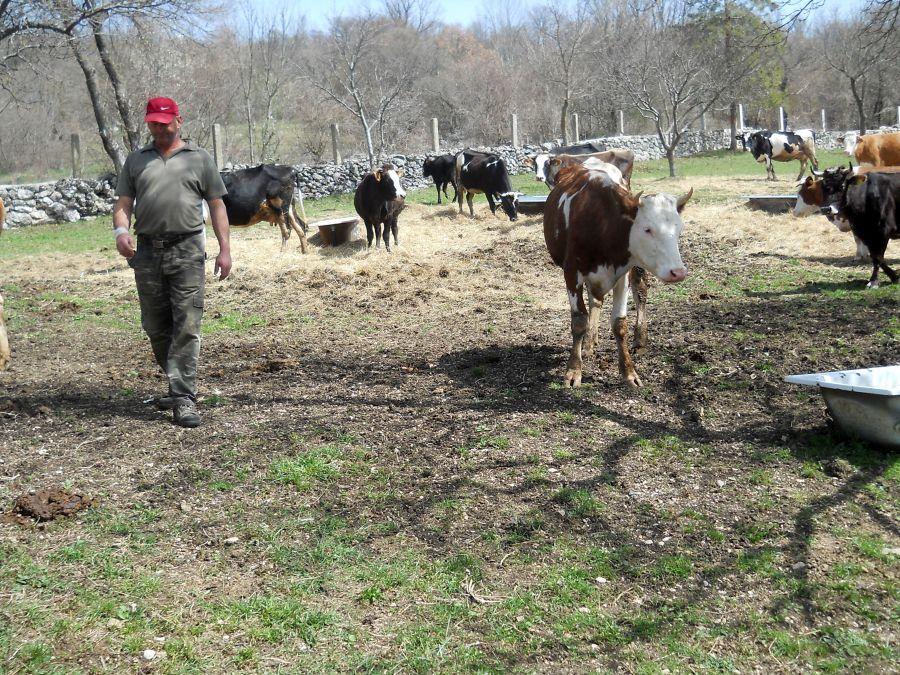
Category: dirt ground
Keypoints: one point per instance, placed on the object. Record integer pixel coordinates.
(713, 520)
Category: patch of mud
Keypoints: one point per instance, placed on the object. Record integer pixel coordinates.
(47, 504)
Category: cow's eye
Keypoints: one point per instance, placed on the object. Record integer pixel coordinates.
(648, 230)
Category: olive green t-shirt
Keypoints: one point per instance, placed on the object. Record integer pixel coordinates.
(169, 192)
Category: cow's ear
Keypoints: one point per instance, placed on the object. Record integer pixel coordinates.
(684, 200)
(377, 174)
(401, 172)
(553, 161)
(858, 179)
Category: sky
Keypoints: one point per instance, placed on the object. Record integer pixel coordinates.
(465, 12)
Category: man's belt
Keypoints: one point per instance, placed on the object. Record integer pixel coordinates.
(164, 242)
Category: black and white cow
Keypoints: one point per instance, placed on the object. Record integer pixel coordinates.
(477, 172)
(379, 199)
(441, 169)
(781, 146)
(869, 204)
(541, 159)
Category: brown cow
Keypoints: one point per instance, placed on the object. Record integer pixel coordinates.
(621, 159)
(874, 149)
(597, 231)
(4, 340)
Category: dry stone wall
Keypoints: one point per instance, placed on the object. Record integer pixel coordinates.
(71, 199)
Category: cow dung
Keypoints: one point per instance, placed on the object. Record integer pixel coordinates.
(49, 504)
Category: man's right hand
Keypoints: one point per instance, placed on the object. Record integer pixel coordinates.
(125, 245)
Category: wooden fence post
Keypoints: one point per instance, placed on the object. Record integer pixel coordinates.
(515, 130)
(740, 117)
(435, 136)
(781, 120)
(77, 157)
(576, 131)
(621, 123)
(336, 143)
(218, 150)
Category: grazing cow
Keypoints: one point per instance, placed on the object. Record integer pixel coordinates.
(264, 193)
(620, 159)
(4, 340)
(379, 199)
(441, 170)
(811, 200)
(873, 149)
(781, 146)
(478, 172)
(597, 231)
(870, 204)
(540, 160)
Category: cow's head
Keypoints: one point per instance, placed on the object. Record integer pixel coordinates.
(427, 167)
(657, 225)
(809, 199)
(849, 140)
(744, 138)
(509, 202)
(388, 177)
(540, 167)
(756, 144)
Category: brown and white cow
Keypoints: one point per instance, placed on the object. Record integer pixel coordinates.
(620, 158)
(4, 340)
(597, 231)
(874, 149)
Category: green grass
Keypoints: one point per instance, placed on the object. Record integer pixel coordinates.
(727, 164)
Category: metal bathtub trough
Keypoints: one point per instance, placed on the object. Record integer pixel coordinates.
(771, 203)
(532, 205)
(865, 403)
(336, 231)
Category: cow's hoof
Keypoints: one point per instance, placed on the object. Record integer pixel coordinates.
(633, 382)
(572, 378)
(873, 284)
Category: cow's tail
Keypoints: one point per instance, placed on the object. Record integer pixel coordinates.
(809, 147)
(295, 195)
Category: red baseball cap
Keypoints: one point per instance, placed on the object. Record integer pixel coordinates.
(161, 109)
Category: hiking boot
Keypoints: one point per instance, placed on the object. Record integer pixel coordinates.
(186, 413)
(167, 402)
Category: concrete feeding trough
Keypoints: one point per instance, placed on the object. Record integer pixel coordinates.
(336, 231)
(771, 203)
(865, 403)
(532, 204)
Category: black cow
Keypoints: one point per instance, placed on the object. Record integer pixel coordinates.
(781, 146)
(379, 199)
(440, 168)
(540, 160)
(264, 193)
(477, 172)
(869, 204)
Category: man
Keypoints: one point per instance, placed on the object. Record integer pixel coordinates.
(166, 182)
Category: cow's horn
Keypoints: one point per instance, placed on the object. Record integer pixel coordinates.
(817, 174)
(684, 199)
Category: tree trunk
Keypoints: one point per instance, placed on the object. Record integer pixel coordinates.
(732, 118)
(564, 121)
(132, 135)
(860, 107)
(249, 113)
(370, 148)
(670, 157)
(4, 341)
(90, 78)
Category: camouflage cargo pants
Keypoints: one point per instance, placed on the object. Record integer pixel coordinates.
(170, 285)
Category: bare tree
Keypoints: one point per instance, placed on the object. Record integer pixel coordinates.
(362, 68)
(420, 15)
(563, 54)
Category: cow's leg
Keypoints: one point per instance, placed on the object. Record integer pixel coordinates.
(637, 278)
(5, 355)
(369, 234)
(438, 186)
(469, 197)
(394, 228)
(285, 232)
(802, 168)
(877, 252)
(459, 200)
(579, 328)
(862, 251)
(295, 225)
(619, 322)
(593, 334)
(387, 235)
(491, 203)
(377, 234)
(770, 169)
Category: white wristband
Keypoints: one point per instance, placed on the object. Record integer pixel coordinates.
(119, 231)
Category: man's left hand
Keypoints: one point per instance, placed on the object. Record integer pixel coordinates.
(223, 265)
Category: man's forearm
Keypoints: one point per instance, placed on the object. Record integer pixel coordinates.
(219, 218)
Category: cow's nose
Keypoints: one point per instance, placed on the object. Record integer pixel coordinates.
(540, 178)
(677, 274)
(514, 219)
